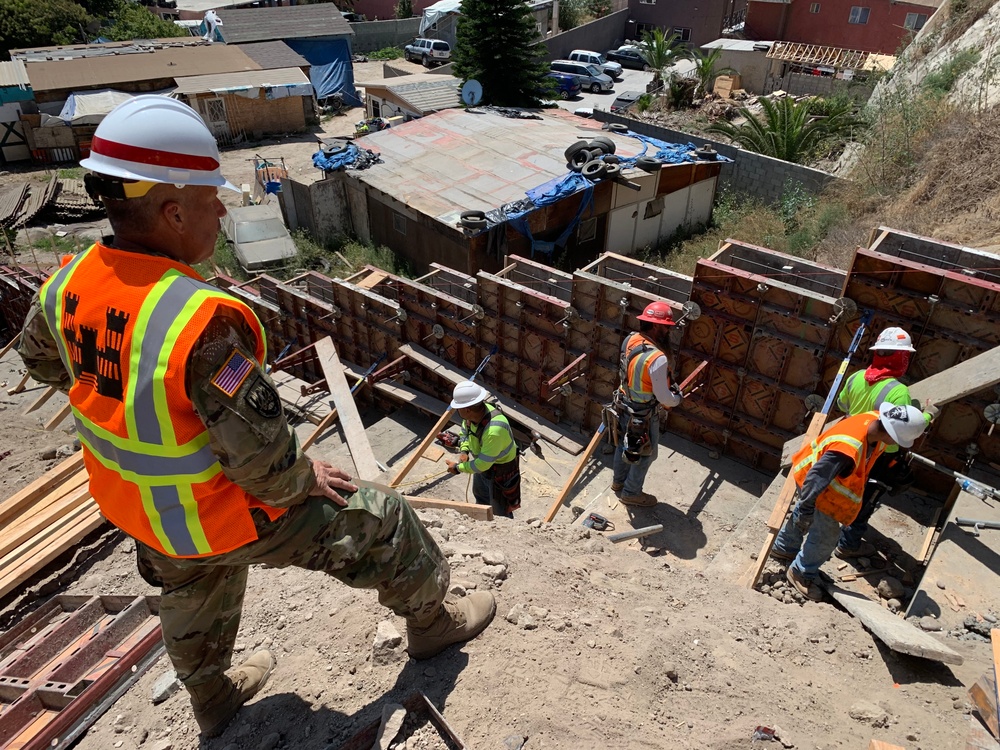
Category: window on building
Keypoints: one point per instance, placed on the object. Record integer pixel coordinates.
(684, 34)
(915, 21)
(399, 222)
(859, 15)
(814, 8)
(587, 231)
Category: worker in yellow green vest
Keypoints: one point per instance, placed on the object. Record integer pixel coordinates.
(866, 390)
(489, 452)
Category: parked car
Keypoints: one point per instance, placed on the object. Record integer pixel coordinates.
(566, 86)
(630, 57)
(258, 236)
(613, 69)
(589, 76)
(625, 100)
(428, 52)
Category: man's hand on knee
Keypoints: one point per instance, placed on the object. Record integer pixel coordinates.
(330, 479)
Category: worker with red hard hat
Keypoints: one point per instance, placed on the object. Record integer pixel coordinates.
(184, 437)
(644, 373)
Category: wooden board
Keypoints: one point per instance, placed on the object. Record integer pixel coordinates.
(434, 453)
(479, 512)
(10, 345)
(983, 695)
(59, 416)
(967, 565)
(965, 378)
(37, 522)
(550, 432)
(40, 401)
(55, 476)
(893, 631)
(880, 745)
(20, 385)
(978, 738)
(350, 419)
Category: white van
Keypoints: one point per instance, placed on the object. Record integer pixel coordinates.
(612, 69)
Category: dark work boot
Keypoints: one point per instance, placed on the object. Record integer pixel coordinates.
(456, 621)
(216, 702)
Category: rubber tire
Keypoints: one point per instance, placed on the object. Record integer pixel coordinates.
(334, 151)
(610, 159)
(573, 150)
(595, 88)
(573, 167)
(594, 170)
(426, 62)
(580, 158)
(612, 170)
(604, 143)
(473, 223)
(473, 215)
(564, 95)
(648, 164)
(617, 127)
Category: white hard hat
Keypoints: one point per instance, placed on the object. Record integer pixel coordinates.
(467, 394)
(893, 339)
(154, 138)
(904, 423)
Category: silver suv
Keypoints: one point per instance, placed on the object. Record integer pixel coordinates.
(613, 69)
(427, 51)
(589, 76)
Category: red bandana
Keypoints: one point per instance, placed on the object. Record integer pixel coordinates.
(892, 365)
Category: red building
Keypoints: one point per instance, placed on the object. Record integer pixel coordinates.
(880, 26)
(696, 22)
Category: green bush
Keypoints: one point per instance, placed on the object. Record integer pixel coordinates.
(943, 79)
(386, 53)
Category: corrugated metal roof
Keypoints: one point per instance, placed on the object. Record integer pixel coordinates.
(424, 92)
(455, 160)
(117, 70)
(270, 55)
(12, 73)
(250, 79)
(288, 22)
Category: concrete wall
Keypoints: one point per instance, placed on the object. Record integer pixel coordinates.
(799, 84)
(749, 173)
(753, 68)
(600, 35)
(370, 36)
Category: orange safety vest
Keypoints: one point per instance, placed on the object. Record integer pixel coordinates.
(125, 325)
(636, 357)
(842, 498)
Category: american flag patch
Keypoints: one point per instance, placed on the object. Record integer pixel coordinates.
(233, 373)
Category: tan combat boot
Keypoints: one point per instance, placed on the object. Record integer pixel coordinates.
(455, 622)
(216, 703)
(642, 500)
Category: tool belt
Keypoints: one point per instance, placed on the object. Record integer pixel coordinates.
(506, 480)
(637, 418)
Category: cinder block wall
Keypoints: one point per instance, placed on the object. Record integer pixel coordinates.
(749, 173)
(370, 36)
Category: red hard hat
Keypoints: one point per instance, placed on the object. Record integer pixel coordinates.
(658, 312)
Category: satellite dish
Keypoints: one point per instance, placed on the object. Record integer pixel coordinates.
(472, 93)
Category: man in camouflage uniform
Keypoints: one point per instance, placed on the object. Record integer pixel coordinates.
(363, 537)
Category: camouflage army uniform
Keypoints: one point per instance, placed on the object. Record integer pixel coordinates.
(375, 542)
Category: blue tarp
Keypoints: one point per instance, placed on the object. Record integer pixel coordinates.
(331, 70)
(341, 159)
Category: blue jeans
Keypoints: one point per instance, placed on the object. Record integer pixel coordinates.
(485, 494)
(631, 476)
(815, 549)
(850, 537)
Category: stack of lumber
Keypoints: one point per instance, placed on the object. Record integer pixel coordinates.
(44, 520)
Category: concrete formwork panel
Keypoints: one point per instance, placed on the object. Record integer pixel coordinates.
(539, 277)
(451, 282)
(929, 252)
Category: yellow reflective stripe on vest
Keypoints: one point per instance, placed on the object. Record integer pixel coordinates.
(840, 489)
(816, 448)
(52, 307)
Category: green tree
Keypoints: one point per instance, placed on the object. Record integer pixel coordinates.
(404, 9)
(660, 52)
(133, 21)
(40, 23)
(570, 14)
(599, 8)
(790, 130)
(496, 46)
(706, 69)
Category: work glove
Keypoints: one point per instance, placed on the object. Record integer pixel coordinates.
(931, 411)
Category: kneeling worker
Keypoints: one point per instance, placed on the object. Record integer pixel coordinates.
(488, 450)
(831, 473)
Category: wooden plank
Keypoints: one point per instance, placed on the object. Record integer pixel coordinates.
(550, 432)
(434, 453)
(995, 642)
(983, 695)
(37, 521)
(350, 419)
(322, 426)
(978, 738)
(59, 416)
(46, 501)
(373, 280)
(52, 478)
(925, 548)
(577, 471)
(472, 510)
(40, 401)
(880, 745)
(415, 456)
(20, 385)
(893, 631)
(10, 345)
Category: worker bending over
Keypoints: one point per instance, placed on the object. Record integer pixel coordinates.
(489, 452)
(644, 373)
(866, 390)
(830, 473)
(184, 436)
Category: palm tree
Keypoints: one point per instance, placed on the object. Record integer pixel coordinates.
(705, 69)
(789, 130)
(660, 52)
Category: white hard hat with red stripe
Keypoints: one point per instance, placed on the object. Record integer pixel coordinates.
(894, 340)
(154, 138)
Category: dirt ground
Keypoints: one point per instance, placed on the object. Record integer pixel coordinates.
(595, 645)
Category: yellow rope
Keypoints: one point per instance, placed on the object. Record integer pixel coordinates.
(422, 480)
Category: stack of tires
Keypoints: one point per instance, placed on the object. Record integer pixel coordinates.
(595, 159)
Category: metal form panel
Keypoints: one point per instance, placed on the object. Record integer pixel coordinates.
(539, 277)
(65, 657)
(952, 316)
(451, 282)
(766, 334)
(928, 252)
